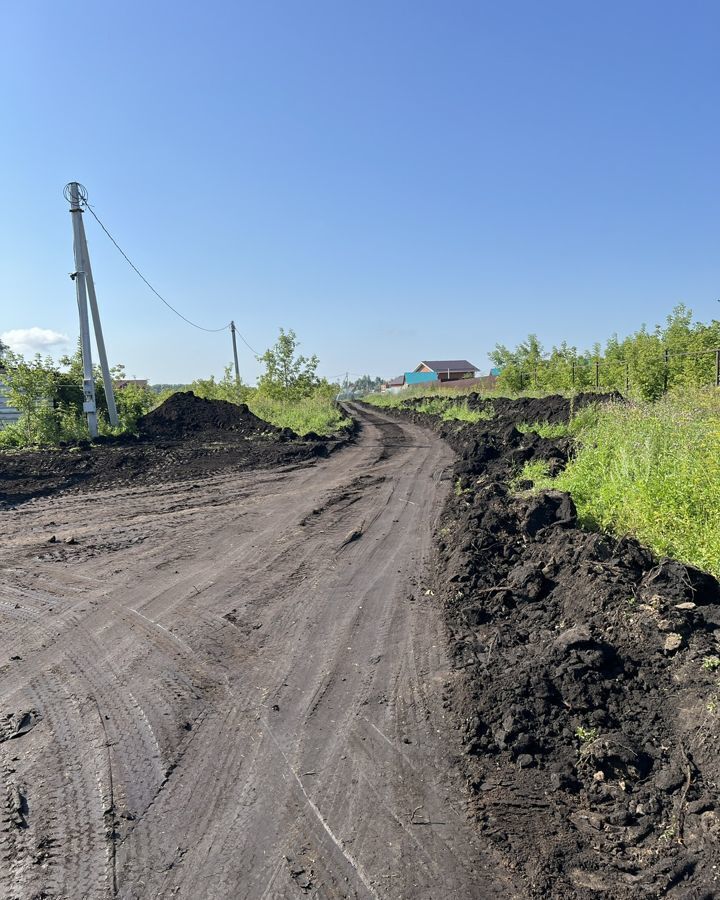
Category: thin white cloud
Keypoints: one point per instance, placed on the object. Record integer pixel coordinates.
(29, 341)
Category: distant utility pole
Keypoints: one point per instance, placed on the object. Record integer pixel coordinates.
(85, 289)
(234, 340)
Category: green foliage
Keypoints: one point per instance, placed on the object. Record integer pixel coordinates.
(385, 401)
(427, 389)
(653, 470)
(544, 429)
(586, 735)
(31, 386)
(318, 413)
(226, 388)
(536, 471)
(520, 364)
(584, 418)
(450, 406)
(364, 384)
(635, 365)
(132, 401)
(461, 413)
(288, 375)
(711, 663)
(49, 398)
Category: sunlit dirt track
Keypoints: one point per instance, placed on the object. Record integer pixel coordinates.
(233, 688)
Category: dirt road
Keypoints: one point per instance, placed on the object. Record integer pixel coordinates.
(234, 688)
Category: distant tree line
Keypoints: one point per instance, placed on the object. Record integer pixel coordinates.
(646, 364)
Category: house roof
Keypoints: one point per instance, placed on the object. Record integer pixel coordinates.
(442, 365)
(395, 382)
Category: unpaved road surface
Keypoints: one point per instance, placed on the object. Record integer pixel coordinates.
(234, 688)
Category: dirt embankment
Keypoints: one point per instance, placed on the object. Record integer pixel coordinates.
(587, 691)
(186, 437)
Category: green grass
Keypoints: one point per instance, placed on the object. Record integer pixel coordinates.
(536, 471)
(424, 390)
(652, 470)
(421, 390)
(585, 418)
(318, 414)
(544, 429)
(450, 405)
(461, 413)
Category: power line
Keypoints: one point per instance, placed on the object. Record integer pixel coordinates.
(246, 343)
(157, 294)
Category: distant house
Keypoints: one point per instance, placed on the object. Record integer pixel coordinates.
(395, 385)
(447, 369)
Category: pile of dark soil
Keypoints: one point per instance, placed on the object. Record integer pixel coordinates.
(183, 415)
(28, 474)
(184, 438)
(586, 686)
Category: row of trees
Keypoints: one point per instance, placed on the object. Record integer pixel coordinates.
(682, 353)
(49, 396)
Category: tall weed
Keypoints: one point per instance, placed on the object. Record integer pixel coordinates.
(653, 470)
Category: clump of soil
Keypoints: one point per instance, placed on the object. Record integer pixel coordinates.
(184, 415)
(587, 681)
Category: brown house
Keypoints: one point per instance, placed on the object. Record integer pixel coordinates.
(448, 369)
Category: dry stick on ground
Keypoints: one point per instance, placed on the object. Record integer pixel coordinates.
(414, 813)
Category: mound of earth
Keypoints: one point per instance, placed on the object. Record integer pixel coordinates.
(184, 415)
(554, 410)
(184, 438)
(586, 681)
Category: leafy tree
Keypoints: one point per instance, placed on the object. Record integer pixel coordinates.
(365, 384)
(31, 386)
(288, 375)
(519, 367)
(50, 400)
(226, 388)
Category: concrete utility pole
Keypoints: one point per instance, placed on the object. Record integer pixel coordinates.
(234, 340)
(85, 288)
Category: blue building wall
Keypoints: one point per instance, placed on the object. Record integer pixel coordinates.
(420, 377)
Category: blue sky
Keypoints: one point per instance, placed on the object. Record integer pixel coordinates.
(394, 180)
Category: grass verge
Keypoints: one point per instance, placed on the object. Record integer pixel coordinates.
(651, 470)
(449, 406)
(318, 414)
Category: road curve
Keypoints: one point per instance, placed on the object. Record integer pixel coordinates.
(234, 688)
